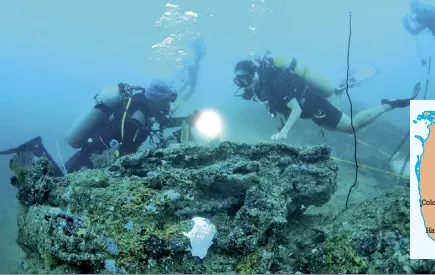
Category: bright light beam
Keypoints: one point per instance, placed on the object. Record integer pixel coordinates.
(209, 124)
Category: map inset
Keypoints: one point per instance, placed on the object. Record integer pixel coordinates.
(422, 191)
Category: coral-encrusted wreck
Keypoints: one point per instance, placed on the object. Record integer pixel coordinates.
(134, 216)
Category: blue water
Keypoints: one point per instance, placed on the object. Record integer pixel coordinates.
(55, 55)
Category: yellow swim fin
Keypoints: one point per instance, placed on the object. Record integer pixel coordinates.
(360, 76)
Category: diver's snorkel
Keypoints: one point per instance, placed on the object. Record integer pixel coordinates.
(243, 81)
(246, 79)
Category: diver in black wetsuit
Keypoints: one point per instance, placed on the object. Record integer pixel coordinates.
(294, 91)
(421, 17)
(123, 117)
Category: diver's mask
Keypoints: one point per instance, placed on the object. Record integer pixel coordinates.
(243, 80)
(247, 89)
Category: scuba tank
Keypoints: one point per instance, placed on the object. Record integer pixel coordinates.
(106, 102)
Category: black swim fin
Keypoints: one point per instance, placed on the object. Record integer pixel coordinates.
(34, 145)
(402, 103)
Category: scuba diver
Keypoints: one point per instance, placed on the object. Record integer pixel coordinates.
(319, 84)
(421, 17)
(295, 91)
(122, 118)
(191, 68)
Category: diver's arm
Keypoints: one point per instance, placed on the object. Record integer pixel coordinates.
(192, 76)
(311, 77)
(178, 121)
(198, 48)
(296, 112)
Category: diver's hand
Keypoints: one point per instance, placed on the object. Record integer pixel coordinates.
(340, 88)
(280, 135)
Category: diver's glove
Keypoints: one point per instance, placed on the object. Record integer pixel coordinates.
(342, 86)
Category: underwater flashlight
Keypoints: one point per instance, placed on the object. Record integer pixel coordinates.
(209, 124)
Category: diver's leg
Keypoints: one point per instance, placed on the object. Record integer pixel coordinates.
(189, 93)
(190, 85)
(362, 119)
(180, 100)
(193, 80)
(365, 117)
(79, 160)
(185, 85)
(56, 169)
(180, 90)
(82, 158)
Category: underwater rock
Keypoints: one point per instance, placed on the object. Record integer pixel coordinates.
(34, 187)
(133, 217)
(376, 240)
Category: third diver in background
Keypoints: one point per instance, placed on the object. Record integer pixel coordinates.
(421, 17)
(189, 74)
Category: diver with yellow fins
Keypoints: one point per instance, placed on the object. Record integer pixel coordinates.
(289, 88)
(122, 118)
